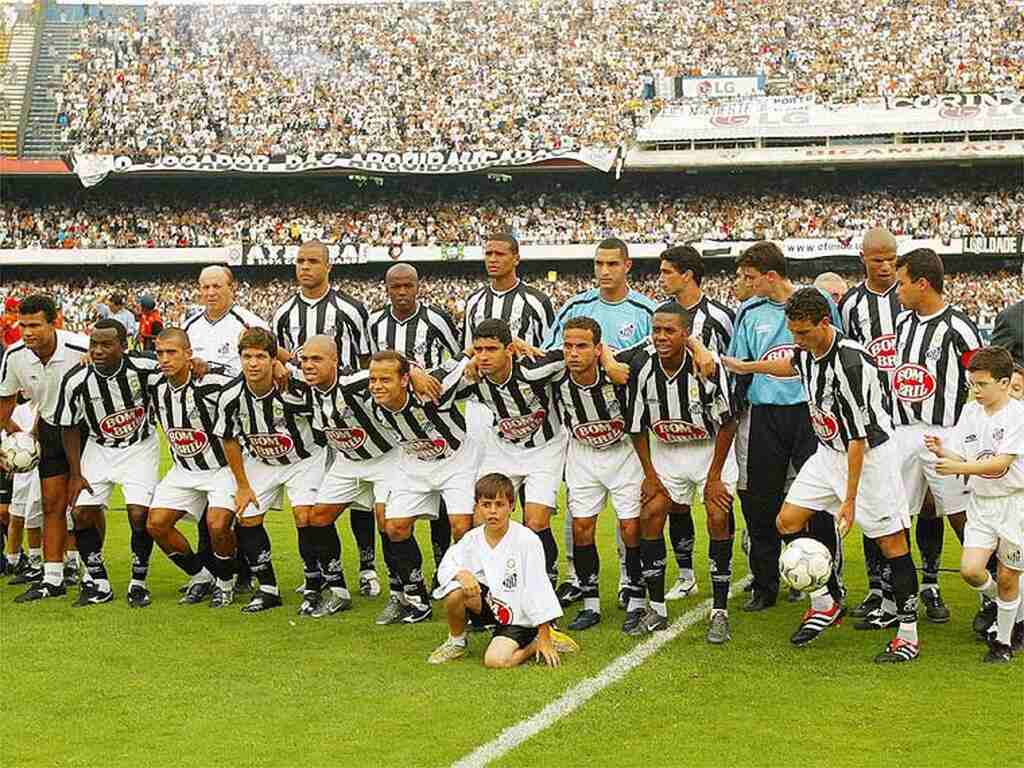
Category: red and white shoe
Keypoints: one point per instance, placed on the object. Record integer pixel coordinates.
(815, 622)
(898, 651)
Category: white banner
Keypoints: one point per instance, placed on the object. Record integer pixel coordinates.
(92, 169)
(720, 87)
(759, 118)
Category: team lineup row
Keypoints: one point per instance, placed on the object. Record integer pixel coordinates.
(646, 426)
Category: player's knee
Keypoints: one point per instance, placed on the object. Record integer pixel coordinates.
(158, 525)
(497, 658)
(461, 525)
(399, 529)
(583, 531)
(973, 573)
(1008, 581)
(787, 526)
(718, 523)
(630, 532)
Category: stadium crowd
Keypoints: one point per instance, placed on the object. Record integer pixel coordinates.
(981, 296)
(945, 204)
(517, 75)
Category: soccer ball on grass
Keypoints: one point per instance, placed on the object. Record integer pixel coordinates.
(805, 565)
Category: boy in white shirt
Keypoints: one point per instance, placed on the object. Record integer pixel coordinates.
(497, 572)
(988, 448)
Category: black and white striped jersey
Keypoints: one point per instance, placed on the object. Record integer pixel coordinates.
(428, 431)
(423, 337)
(524, 406)
(344, 415)
(680, 408)
(527, 311)
(188, 415)
(869, 318)
(712, 322)
(334, 314)
(276, 428)
(595, 415)
(929, 383)
(846, 394)
(115, 409)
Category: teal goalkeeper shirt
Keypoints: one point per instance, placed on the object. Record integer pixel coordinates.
(623, 323)
(760, 333)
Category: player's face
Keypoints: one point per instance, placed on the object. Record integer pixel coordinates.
(37, 332)
(668, 335)
(987, 390)
(1017, 386)
(807, 335)
(311, 268)
(491, 355)
(580, 351)
(740, 288)
(216, 292)
(172, 358)
(880, 266)
(317, 367)
(835, 290)
(495, 512)
(755, 282)
(402, 292)
(909, 291)
(387, 383)
(257, 366)
(499, 258)
(670, 279)
(610, 269)
(105, 349)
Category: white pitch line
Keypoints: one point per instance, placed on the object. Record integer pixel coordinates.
(585, 690)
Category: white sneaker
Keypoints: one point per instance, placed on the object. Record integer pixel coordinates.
(369, 584)
(449, 650)
(684, 587)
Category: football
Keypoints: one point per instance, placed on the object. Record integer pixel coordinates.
(805, 565)
(20, 451)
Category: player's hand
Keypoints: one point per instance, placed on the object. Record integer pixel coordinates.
(717, 495)
(199, 368)
(934, 444)
(470, 372)
(470, 586)
(282, 377)
(546, 651)
(735, 365)
(704, 361)
(77, 484)
(846, 515)
(617, 373)
(424, 385)
(946, 466)
(521, 349)
(5, 466)
(244, 497)
(84, 359)
(650, 489)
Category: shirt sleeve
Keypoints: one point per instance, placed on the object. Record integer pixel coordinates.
(544, 368)
(553, 338)
(739, 346)
(637, 417)
(449, 334)
(227, 418)
(1013, 440)
(9, 384)
(540, 604)
(855, 387)
(68, 412)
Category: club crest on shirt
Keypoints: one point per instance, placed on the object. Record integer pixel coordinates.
(511, 578)
(224, 349)
(997, 434)
(627, 332)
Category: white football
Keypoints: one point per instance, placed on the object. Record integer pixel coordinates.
(20, 451)
(805, 565)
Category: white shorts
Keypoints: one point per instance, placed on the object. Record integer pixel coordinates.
(192, 492)
(918, 471)
(359, 483)
(540, 469)
(683, 469)
(592, 476)
(27, 499)
(424, 483)
(302, 481)
(136, 469)
(997, 523)
(881, 507)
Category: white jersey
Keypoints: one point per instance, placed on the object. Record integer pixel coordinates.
(216, 341)
(514, 573)
(979, 436)
(22, 370)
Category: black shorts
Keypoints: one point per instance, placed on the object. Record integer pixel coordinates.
(52, 461)
(522, 635)
(779, 438)
(6, 488)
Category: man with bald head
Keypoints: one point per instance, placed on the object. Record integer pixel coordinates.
(318, 309)
(425, 335)
(213, 335)
(832, 284)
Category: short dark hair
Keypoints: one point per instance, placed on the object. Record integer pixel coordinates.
(765, 257)
(685, 258)
(391, 356)
(614, 244)
(258, 338)
(1019, 369)
(807, 304)
(503, 237)
(494, 328)
(109, 323)
(116, 298)
(995, 360)
(493, 486)
(675, 308)
(584, 324)
(40, 302)
(171, 333)
(923, 262)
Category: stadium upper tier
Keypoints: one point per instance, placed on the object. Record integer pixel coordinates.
(510, 75)
(641, 208)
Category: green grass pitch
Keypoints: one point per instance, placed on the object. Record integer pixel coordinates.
(176, 685)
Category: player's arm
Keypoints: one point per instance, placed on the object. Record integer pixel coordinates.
(703, 358)
(546, 646)
(854, 466)
(992, 465)
(781, 367)
(7, 405)
(244, 495)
